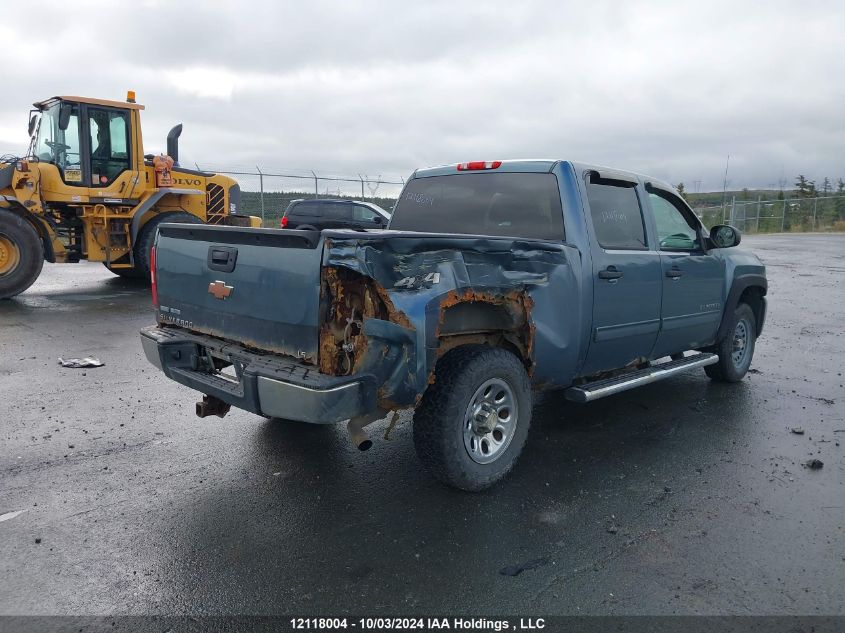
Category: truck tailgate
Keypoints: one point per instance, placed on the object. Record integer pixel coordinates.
(258, 287)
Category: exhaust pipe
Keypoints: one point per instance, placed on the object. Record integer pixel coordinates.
(173, 143)
(355, 426)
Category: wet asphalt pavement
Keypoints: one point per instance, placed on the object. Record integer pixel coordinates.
(682, 497)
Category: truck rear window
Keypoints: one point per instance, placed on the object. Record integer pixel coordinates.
(501, 204)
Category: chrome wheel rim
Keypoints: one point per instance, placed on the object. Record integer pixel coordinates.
(490, 421)
(740, 343)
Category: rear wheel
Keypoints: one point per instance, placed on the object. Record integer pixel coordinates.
(21, 254)
(737, 348)
(146, 237)
(472, 423)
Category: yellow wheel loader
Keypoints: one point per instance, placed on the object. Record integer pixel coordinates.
(86, 190)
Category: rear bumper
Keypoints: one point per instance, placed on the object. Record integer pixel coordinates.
(266, 384)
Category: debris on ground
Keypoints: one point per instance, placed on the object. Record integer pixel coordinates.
(814, 464)
(516, 570)
(77, 363)
(11, 515)
(392, 425)
(612, 529)
(797, 430)
(37, 540)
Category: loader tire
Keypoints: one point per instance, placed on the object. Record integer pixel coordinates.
(21, 254)
(126, 273)
(147, 235)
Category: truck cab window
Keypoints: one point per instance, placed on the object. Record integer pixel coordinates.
(505, 204)
(616, 214)
(675, 231)
(109, 144)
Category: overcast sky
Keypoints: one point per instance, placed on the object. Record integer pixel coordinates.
(668, 89)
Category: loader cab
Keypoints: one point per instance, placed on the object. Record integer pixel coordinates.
(91, 142)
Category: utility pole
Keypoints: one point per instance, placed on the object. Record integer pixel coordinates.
(725, 182)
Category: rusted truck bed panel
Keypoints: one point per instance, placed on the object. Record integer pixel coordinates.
(459, 289)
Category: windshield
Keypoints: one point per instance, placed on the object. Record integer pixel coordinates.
(60, 147)
(501, 204)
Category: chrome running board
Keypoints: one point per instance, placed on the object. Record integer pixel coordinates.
(600, 388)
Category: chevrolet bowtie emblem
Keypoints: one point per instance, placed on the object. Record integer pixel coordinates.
(219, 290)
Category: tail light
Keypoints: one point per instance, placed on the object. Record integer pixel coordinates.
(479, 164)
(284, 221)
(153, 276)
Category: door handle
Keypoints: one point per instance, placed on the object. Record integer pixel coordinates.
(674, 273)
(222, 258)
(610, 273)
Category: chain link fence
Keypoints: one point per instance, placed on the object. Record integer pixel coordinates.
(267, 193)
(794, 215)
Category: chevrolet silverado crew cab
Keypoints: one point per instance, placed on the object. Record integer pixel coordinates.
(493, 280)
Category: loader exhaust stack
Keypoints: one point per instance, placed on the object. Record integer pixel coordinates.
(173, 143)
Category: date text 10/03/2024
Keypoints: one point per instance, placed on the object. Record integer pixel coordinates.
(418, 624)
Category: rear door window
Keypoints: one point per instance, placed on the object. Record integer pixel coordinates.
(336, 211)
(616, 214)
(310, 209)
(501, 204)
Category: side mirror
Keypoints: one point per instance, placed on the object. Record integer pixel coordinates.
(378, 219)
(33, 120)
(64, 116)
(724, 236)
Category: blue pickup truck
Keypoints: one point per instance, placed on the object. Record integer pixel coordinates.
(493, 280)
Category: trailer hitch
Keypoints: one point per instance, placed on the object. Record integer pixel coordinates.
(212, 406)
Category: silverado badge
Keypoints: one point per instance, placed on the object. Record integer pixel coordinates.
(219, 290)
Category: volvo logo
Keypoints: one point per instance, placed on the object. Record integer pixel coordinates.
(188, 181)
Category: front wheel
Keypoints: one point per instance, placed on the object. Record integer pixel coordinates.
(472, 423)
(21, 254)
(737, 348)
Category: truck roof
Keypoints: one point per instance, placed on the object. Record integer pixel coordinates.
(545, 165)
(513, 165)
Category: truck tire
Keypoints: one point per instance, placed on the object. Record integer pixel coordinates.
(737, 348)
(472, 423)
(147, 235)
(21, 254)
